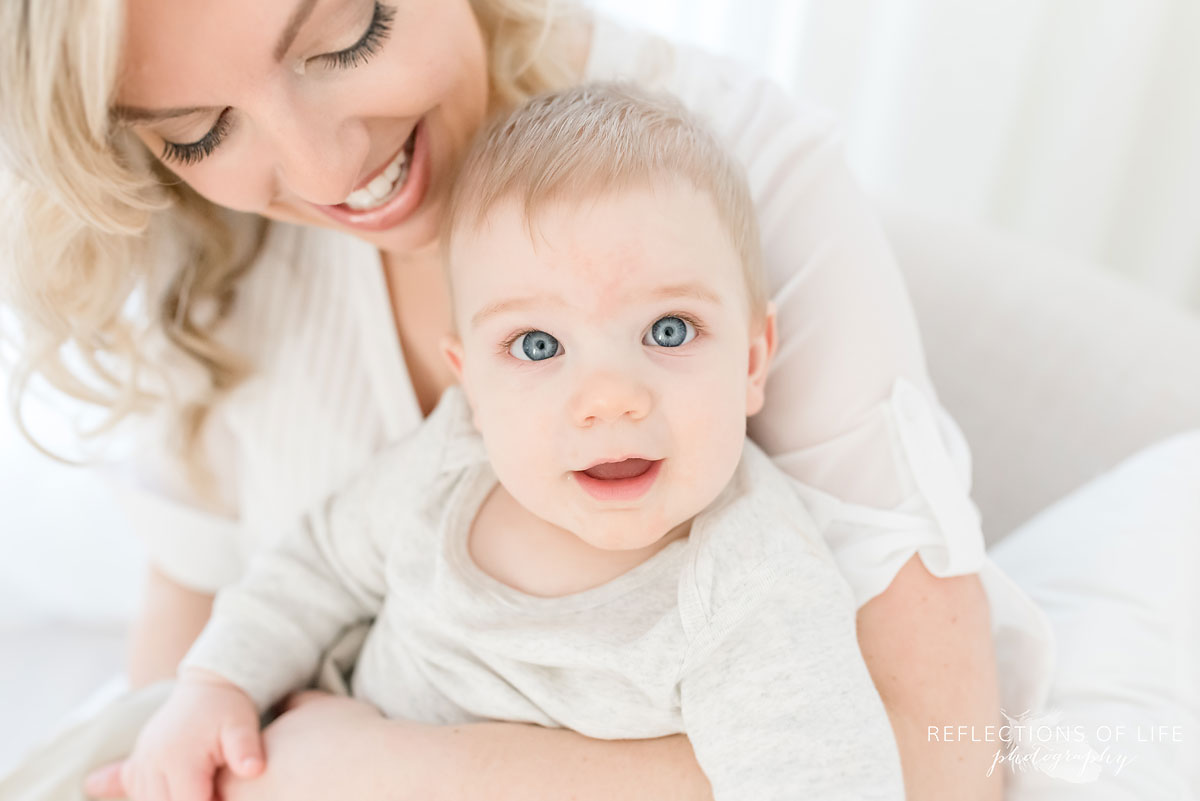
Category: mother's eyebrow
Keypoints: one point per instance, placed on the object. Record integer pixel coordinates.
(299, 17)
(133, 114)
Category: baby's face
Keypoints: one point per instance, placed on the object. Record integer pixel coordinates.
(618, 333)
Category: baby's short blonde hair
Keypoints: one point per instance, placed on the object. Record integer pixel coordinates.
(602, 137)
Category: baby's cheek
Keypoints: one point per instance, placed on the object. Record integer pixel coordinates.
(718, 451)
(522, 469)
(521, 459)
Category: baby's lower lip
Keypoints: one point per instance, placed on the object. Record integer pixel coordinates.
(620, 489)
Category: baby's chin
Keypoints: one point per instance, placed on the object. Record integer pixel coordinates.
(629, 536)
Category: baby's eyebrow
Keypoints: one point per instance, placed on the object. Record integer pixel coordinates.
(692, 291)
(515, 304)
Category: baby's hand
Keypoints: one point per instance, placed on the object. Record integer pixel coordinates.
(207, 723)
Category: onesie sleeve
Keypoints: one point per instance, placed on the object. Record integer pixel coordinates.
(776, 699)
(268, 631)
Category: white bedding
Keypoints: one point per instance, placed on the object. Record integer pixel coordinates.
(69, 581)
(47, 673)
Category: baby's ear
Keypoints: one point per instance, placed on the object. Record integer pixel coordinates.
(762, 350)
(452, 352)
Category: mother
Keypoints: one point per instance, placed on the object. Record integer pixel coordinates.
(151, 140)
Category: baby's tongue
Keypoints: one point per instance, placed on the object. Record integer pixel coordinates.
(613, 470)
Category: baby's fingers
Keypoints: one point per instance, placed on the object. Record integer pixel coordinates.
(194, 785)
(241, 745)
(157, 788)
(105, 782)
(145, 787)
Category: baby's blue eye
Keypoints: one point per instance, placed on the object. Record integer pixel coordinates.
(670, 332)
(534, 346)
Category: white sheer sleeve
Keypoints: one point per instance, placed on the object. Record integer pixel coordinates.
(850, 409)
(929, 461)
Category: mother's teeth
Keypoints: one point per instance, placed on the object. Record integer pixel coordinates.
(360, 199)
(381, 185)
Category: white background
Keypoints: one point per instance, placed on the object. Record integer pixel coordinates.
(1072, 122)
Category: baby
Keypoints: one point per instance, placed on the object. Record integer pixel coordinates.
(580, 535)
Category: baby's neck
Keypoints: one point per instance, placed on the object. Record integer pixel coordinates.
(538, 558)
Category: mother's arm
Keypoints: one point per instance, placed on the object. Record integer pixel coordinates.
(169, 620)
(334, 747)
(927, 642)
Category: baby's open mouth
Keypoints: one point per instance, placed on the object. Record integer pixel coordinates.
(626, 480)
(609, 471)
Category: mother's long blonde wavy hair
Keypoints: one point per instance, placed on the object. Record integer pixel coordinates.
(90, 223)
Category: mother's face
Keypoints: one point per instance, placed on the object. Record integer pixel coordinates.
(341, 113)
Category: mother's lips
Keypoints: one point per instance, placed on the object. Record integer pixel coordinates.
(407, 199)
(400, 157)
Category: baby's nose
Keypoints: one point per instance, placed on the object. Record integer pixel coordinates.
(609, 396)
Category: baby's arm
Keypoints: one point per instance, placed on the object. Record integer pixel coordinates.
(265, 637)
(268, 632)
(777, 700)
(206, 724)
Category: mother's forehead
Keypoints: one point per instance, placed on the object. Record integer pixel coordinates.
(182, 53)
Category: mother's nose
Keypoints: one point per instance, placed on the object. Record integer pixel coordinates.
(608, 396)
(317, 156)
